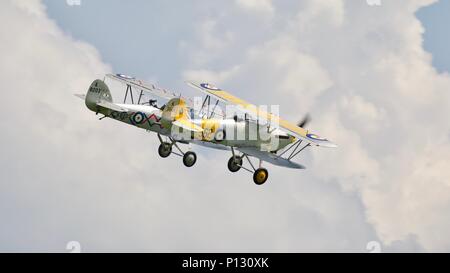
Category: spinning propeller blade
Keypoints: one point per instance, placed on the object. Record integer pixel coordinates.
(305, 121)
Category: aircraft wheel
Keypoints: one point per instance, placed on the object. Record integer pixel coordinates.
(234, 164)
(165, 149)
(189, 159)
(220, 136)
(260, 176)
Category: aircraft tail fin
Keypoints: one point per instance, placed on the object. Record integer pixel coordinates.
(98, 92)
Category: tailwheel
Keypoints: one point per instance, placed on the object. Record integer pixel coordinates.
(260, 176)
(165, 149)
(235, 164)
(189, 159)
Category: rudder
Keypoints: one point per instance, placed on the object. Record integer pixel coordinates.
(98, 91)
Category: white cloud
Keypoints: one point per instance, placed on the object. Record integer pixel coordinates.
(210, 76)
(315, 14)
(258, 6)
(370, 86)
(212, 39)
(282, 71)
(363, 114)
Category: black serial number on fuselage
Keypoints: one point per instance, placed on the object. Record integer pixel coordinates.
(95, 90)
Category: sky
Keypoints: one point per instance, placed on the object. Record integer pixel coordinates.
(436, 38)
(374, 79)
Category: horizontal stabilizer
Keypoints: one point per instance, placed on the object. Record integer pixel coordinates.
(81, 96)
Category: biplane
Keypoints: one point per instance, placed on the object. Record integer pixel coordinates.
(249, 132)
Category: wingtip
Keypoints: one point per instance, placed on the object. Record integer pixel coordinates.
(191, 83)
(329, 144)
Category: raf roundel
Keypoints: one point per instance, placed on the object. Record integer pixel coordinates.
(138, 118)
(316, 137)
(209, 86)
(124, 77)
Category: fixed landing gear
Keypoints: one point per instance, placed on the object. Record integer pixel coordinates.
(260, 176)
(189, 159)
(165, 150)
(235, 164)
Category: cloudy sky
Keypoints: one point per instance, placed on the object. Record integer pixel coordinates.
(366, 75)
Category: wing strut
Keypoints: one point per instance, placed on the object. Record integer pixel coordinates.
(296, 151)
(130, 89)
(301, 150)
(207, 105)
(140, 96)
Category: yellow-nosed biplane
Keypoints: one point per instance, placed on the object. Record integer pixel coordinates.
(249, 131)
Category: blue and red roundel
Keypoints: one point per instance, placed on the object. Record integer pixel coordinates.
(124, 77)
(138, 118)
(316, 137)
(209, 87)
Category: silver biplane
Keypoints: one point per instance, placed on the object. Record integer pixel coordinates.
(257, 134)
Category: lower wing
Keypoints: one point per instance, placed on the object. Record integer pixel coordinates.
(271, 158)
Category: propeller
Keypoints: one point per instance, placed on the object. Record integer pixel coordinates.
(305, 121)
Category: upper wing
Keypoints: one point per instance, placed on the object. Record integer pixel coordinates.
(291, 128)
(141, 85)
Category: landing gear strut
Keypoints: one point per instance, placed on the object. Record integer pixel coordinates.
(165, 150)
(236, 163)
